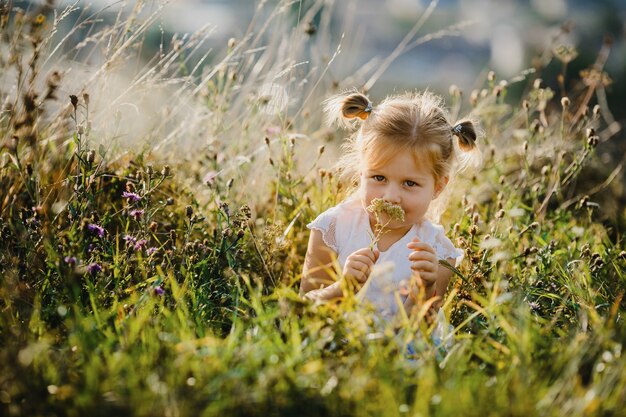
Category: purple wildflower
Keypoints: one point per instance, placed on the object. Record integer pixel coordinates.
(131, 196)
(272, 130)
(140, 244)
(90, 247)
(94, 268)
(158, 290)
(130, 240)
(70, 260)
(151, 251)
(137, 214)
(97, 229)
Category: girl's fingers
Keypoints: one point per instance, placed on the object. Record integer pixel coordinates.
(422, 256)
(366, 259)
(367, 252)
(424, 266)
(420, 246)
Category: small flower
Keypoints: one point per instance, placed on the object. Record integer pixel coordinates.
(94, 268)
(97, 229)
(151, 251)
(130, 240)
(272, 130)
(380, 206)
(209, 178)
(131, 196)
(534, 306)
(140, 244)
(70, 260)
(159, 290)
(136, 214)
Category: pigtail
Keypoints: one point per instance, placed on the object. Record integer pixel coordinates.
(466, 135)
(343, 108)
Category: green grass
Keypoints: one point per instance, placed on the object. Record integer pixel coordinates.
(194, 307)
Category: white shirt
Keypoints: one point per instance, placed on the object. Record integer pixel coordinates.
(346, 228)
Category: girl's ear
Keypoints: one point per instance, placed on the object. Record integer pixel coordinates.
(440, 185)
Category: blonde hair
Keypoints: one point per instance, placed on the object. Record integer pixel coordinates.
(416, 122)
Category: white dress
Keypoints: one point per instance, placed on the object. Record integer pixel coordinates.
(346, 228)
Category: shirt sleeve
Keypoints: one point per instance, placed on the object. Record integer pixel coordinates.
(444, 248)
(327, 224)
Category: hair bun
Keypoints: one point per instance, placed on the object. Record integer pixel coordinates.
(344, 107)
(356, 105)
(466, 135)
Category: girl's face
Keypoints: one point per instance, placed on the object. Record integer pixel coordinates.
(400, 181)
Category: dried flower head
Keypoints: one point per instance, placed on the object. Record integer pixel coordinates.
(379, 206)
(565, 53)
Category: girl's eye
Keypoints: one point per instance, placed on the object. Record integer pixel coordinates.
(410, 183)
(379, 178)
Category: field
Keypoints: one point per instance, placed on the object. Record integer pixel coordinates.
(153, 213)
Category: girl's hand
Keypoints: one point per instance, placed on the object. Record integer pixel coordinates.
(359, 264)
(424, 261)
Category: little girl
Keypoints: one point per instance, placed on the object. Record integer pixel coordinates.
(401, 157)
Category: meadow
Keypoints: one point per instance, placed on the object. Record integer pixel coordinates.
(156, 272)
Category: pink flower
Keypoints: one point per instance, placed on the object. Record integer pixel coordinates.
(131, 196)
(209, 178)
(136, 214)
(94, 228)
(140, 244)
(94, 268)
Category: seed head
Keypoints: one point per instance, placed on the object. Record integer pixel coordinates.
(593, 141)
(86, 98)
(74, 101)
(380, 206)
(310, 28)
(165, 172)
(596, 110)
(491, 76)
(232, 42)
(321, 150)
(189, 211)
(565, 102)
(537, 83)
(474, 97)
(500, 214)
(91, 156)
(149, 170)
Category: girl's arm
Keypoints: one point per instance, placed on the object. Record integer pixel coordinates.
(318, 274)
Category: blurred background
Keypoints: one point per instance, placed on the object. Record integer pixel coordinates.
(317, 47)
(505, 36)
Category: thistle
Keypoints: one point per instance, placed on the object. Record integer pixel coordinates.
(378, 207)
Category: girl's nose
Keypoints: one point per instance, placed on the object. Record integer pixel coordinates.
(392, 195)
